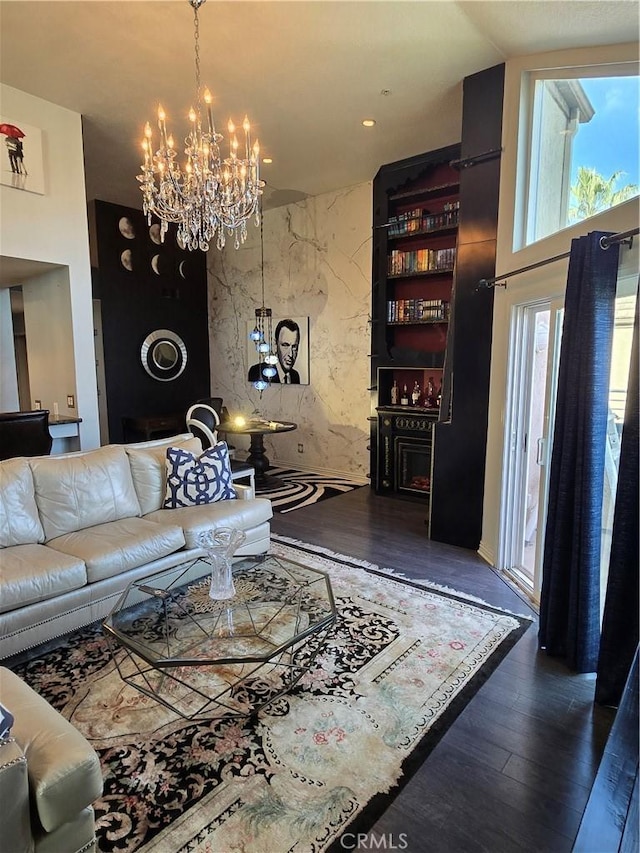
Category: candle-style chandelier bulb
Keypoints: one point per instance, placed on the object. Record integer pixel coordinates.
(210, 195)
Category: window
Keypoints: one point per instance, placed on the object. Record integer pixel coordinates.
(583, 144)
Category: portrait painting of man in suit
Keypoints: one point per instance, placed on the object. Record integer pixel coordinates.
(290, 344)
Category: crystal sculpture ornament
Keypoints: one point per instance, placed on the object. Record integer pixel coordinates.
(210, 195)
(220, 545)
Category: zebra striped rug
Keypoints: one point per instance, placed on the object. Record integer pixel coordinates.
(302, 488)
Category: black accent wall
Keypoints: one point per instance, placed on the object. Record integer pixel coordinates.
(151, 286)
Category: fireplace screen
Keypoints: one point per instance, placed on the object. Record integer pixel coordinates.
(413, 465)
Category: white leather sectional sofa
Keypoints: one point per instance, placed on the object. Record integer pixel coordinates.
(75, 529)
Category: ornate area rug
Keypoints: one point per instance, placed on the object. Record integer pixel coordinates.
(403, 660)
(303, 488)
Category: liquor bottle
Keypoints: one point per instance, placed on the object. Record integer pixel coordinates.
(394, 393)
(431, 393)
(415, 394)
(404, 400)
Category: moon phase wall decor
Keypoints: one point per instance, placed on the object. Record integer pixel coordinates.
(127, 260)
(163, 355)
(126, 228)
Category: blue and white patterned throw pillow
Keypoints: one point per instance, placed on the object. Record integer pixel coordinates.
(193, 480)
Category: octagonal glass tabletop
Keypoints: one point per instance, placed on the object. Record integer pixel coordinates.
(168, 618)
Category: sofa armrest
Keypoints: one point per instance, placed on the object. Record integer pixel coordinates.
(15, 822)
(64, 771)
(243, 493)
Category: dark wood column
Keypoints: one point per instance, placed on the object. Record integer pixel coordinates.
(460, 445)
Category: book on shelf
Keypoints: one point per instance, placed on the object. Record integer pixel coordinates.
(420, 260)
(417, 310)
(446, 219)
(420, 219)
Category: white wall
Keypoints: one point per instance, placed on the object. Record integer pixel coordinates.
(317, 259)
(545, 282)
(50, 351)
(52, 228)
(8, 377)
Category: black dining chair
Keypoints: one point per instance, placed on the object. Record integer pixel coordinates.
(221, 410)
(25, 434)
(203, 421)
(216, 405)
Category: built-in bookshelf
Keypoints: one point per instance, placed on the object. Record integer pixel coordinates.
(416, 214)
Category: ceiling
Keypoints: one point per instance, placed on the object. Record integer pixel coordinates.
(305, 71)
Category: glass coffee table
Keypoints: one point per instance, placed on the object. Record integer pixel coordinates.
(206, 658)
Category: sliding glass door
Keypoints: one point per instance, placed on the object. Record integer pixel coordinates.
(536, 333)
(535, 349)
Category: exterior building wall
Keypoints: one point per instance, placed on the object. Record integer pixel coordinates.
(551, 167)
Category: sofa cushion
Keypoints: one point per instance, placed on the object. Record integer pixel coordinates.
(113, 548)
(32, 573)
(194, 480)
(64, 771)
(19, 520)
(196, 519)
(148, 461)
(82, 490)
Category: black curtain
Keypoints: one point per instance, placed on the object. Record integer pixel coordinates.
(570, 595)
(620, 620)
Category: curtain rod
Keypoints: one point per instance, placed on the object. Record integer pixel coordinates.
(605, 242)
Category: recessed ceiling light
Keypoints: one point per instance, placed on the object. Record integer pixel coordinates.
(368, 122)
(267, 160)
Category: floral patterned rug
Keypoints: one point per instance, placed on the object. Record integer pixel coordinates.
(401, 663)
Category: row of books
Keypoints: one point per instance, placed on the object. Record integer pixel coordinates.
(448, 217)
(417, 311)
(421, 220)
(421, 260)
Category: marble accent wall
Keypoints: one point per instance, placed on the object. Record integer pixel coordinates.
(317, 263)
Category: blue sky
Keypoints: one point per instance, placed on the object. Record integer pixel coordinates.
(609, 142)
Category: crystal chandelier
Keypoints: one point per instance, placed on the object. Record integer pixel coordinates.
(262, 334)
(210, 194)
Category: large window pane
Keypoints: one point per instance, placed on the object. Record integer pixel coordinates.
(584, 149)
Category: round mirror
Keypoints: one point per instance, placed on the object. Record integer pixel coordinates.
(163, 355)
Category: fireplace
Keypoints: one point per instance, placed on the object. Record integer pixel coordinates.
(412, 468)
(405, 451)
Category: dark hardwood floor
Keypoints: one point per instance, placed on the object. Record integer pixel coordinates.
(514, 771)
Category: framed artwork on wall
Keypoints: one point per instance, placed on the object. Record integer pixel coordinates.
(21, 164)
(291, 346)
